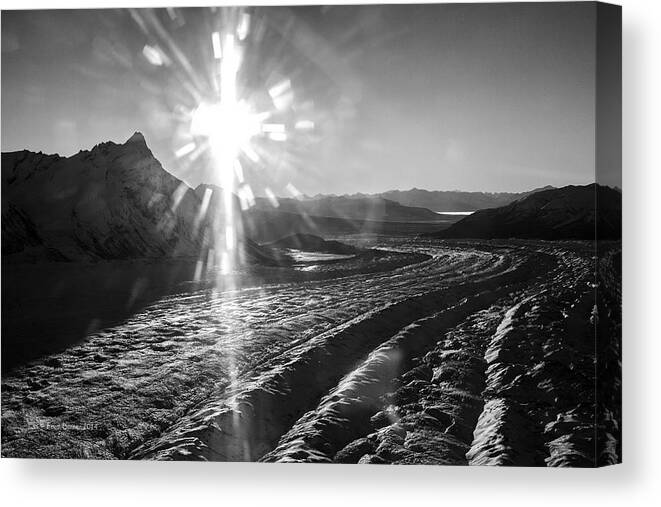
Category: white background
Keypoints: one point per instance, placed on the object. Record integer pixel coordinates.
(636, 482)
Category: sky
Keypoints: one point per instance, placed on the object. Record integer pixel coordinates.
(480, 97)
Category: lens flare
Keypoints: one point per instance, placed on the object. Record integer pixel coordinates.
(236, 105)
(228, 125)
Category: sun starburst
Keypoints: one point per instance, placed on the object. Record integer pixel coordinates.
(244, 126)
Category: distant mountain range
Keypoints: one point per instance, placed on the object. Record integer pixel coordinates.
(331, 215)
(443, 200)
(561, 213)
(347, 207)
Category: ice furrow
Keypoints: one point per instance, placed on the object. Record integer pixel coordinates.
(250, 419)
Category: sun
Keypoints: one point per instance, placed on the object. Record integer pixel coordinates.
(228, 126)
(235, 125)
(228, 123)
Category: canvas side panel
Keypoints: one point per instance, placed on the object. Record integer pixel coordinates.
(608, 173)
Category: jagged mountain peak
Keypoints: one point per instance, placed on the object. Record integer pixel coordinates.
(137, 137)
(136, 143)
(115, 201)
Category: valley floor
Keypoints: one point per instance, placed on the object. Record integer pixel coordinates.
(468, 353)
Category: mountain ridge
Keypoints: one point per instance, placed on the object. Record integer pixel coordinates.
(443, 200)
(364, 208)
(573, 212)
(115, 201)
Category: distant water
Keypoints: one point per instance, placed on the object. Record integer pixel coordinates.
(454, 212)
(302, 256)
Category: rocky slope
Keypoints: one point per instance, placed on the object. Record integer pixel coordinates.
(572, 212)
(112, 202)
